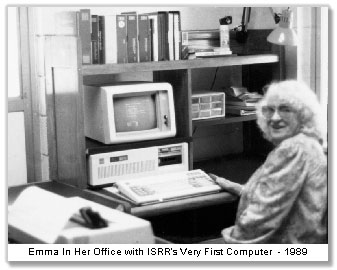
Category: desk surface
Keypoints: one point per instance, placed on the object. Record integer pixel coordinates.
(178, 205)
(69, 191)
(183, 204)
(140, 211)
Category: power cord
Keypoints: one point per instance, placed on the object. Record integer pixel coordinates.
(214, 79)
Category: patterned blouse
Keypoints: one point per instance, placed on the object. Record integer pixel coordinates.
(285, 200)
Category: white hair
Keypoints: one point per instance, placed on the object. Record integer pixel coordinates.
(300, 97)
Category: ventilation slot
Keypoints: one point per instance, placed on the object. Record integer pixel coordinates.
(126, 168)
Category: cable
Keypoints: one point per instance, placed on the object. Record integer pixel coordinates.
(214, 79)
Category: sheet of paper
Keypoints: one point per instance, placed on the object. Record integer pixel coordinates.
(41, 213)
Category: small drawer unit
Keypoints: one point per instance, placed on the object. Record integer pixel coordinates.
(208, 104)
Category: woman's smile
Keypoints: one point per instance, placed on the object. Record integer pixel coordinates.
(278, 125)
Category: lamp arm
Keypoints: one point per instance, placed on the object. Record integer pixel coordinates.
(243, 19)
(276, 16)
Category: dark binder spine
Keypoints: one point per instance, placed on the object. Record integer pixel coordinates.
(132, 38)
(121, 39)
(94, 39)
(161, 37)
(84, 32)
(144, 38)
(165, 30)
(101, 39)
(151, 39)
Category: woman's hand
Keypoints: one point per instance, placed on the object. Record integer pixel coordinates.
(227, 185)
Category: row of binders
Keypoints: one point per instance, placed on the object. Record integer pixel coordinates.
(129, 37)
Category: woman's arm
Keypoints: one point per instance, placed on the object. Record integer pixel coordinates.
(227, 185)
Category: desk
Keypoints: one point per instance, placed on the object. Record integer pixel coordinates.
(163, 215)
(112, 202)
(189, 220)
(69, 191)
(183, 204)
(173, 206)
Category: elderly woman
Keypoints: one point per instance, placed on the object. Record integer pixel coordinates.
(285, 200)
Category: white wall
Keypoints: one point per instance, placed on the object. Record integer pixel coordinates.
(17, 170)
(192, 17)
(16, 148)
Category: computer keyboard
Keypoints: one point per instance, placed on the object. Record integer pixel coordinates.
(168, 186)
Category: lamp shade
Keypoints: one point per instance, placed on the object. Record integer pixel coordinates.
(284, 34)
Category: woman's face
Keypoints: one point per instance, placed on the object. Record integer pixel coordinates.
(282, 119)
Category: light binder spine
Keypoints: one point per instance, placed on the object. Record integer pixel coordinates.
(84, 32)
(171, 35)
(177, 37)
(110, 34)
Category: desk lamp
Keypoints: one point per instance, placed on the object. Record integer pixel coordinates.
(284, 34)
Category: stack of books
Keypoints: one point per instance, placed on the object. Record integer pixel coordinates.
(202, 43)
(129, 37)
(241, 102)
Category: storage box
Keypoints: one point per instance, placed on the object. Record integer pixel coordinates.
(208, 104)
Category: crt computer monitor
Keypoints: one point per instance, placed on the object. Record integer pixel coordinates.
(129, 112)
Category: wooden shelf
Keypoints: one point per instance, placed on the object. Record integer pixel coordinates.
(224, 120)
(89, 70)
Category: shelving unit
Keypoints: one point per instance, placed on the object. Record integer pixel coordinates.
(66, 77)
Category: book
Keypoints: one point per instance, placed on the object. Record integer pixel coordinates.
(122, 56)
(94, 39)
(154, 36)
(178, 52)
(132, 37)
(144, 38)
(110, 34)
(164, 29)
(201, 34)
(239, 111)
(160, 35)
(171, 35)
(215, 52)
(101, 39)
(200, 39)
(151, 38)
(84, 33)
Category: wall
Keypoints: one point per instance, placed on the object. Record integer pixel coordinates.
(17, 169)
(16, 148)
(190, 15)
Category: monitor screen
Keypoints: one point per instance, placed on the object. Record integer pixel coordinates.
(135, 112)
